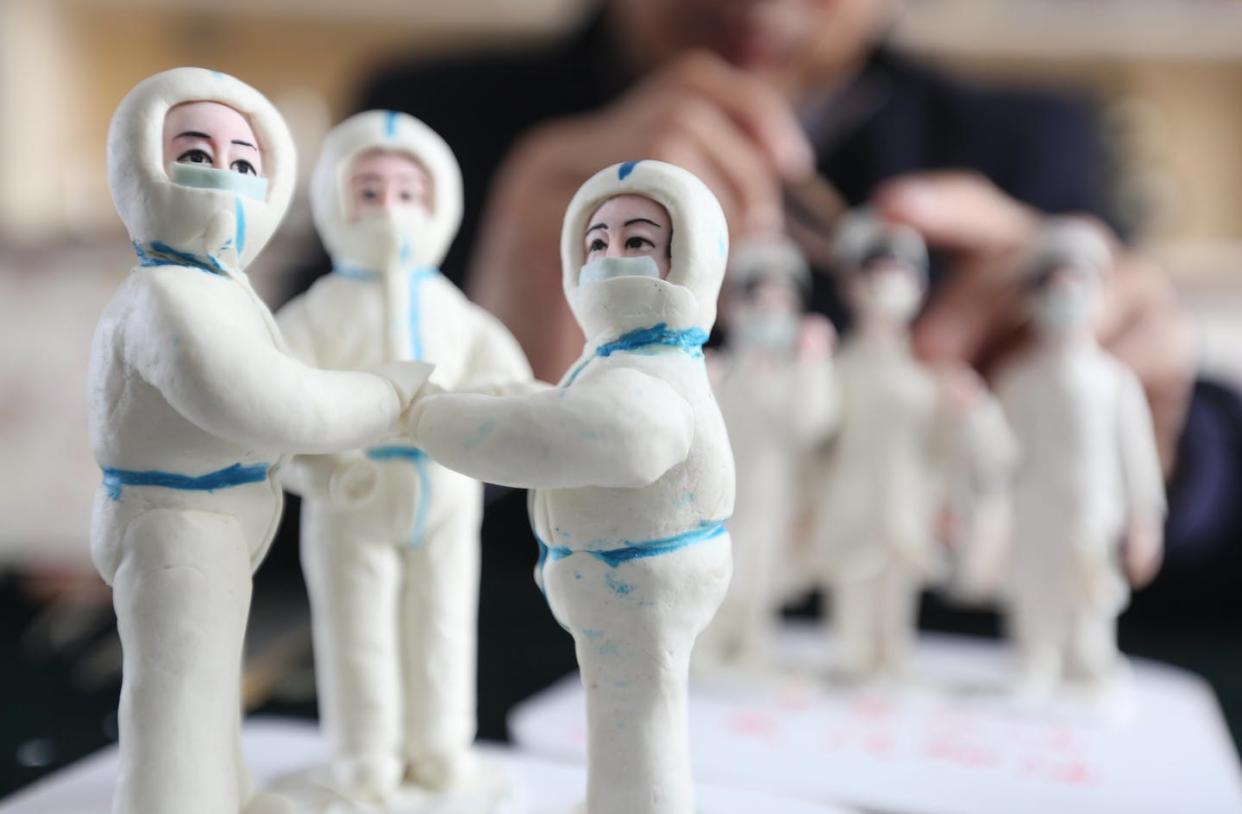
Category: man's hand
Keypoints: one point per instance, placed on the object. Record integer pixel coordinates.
(724, 125)
(978, 316)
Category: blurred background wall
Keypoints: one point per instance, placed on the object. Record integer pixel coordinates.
(1167, 72)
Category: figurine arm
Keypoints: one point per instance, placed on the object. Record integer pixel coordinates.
(230, 379)
(343, 478)
(991, 447)
(816, 401)
(1011, 416)
(1144, 480)
(304, 475)
(623, 429)
(1143, 548)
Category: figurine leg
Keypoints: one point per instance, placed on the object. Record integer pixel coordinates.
(245, 783)
(1040, 637)
(856, 606)
(634, 624)
(182, 594)
(439, 613)
(1093, 647)
(755, 622)
(899, 589)
(354, 588)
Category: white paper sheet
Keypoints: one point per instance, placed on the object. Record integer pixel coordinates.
(953, 743)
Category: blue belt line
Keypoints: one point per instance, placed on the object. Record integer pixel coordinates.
(236, 475)
(634, 550)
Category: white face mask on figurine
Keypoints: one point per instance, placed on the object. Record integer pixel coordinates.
(386, 192)
(628, 221)
(201, 168)
(891, 289)
(1068, 300)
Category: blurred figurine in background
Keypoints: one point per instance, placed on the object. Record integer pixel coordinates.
(390, 539)
(977, 520)
(630, 470)
(773, 384)
(1089, 496)
(193, 406)
(882, 477)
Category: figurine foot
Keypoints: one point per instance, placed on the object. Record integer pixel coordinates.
(438, 772)
(265, 803)
(374, 778)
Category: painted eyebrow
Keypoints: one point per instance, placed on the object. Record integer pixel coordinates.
(193, 134)
(632, 221)
(241, 143)
(603, 226)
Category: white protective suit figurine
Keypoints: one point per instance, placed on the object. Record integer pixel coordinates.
(630, 469)
(1089, 496)
(773, 381)
(882, 480)
(193, 405)
(390, 539)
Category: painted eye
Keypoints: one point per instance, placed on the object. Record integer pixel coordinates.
(370, 195)
(194, 156)
(406, 196)
(244, 167)
(636, 243)
(598, 245)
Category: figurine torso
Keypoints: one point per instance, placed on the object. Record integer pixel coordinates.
(344, 318)
(882, 467)
(346, 323)
(133, 427)
(692, 494)
(1064, 406)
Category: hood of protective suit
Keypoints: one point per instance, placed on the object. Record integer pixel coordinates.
(861, 236)
(771, 257)
(1068, 241)
(217, 225)
(698, 253)
(365, 243)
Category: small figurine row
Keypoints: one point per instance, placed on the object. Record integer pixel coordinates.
(871, 475)
(383, 396)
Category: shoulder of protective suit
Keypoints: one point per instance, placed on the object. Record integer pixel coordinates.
(330, 298)
(167, 295)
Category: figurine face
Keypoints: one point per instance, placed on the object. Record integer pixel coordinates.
(888, 287)
(388, 180)
(765, 295)
(211, 134)
(764, 313)
(629, 226)
(1066, 298)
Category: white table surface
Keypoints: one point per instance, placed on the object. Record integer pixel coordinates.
(278, 747)
(952, 742)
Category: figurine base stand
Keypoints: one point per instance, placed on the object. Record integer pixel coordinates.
(276, 750)
(312, 792)
(952, 736)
